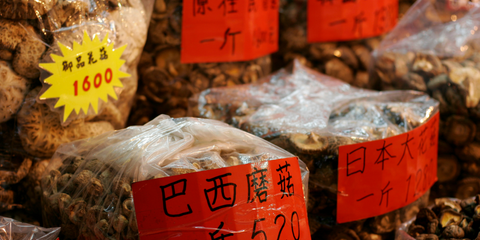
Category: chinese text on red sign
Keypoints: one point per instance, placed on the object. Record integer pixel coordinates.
(228, 30)
(380, 176)
(259, 201)
(343, 20)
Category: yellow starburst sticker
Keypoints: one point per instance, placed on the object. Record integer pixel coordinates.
(84, 74)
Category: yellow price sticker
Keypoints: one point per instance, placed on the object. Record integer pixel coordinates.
(84, 74)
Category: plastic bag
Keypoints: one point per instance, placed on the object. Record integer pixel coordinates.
(435, 49)
(167, 83)
(14, 230)
(31, 129)
(86, 189)
(437, 216)
(293, 104)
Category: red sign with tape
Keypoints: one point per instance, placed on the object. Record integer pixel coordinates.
(380, 176)
(228, 30)
(344, 20)
(251, 201)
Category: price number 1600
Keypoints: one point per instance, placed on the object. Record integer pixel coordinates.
(97, 81)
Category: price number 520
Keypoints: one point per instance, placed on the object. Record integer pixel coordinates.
(97, 81)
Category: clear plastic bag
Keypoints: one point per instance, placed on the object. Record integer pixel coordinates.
(295, 104)
(31, 129)
(434, 49)
(166, 83)
(14, 230)
(86, 188)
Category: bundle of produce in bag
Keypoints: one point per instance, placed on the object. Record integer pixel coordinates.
(88, 191)
(371, 155)
(14, 230)
(68, 71)
(195, 45)
(435, 49)
(334, 37)
(448, 218)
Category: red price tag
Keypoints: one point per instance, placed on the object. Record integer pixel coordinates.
(381, 176)
(343, 20)
(228, 30)
(251, 201)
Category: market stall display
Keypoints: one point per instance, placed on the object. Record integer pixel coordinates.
(15, 230)
(87, 186)
(448, 218)
(36, 112)
(312, 115)
(434, 49)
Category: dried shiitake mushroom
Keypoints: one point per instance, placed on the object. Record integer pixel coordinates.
(13, 89)
(41, 131)
(25, 9)
(308, 143)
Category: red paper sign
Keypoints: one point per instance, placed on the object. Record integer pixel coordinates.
(343, 20)
(251, 201)
(228, 30)
(381, 176)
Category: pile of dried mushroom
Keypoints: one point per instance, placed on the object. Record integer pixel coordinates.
(166, 83)
(31, 130)
(447, 219)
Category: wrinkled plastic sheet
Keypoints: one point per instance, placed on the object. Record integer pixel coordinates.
(14, 230)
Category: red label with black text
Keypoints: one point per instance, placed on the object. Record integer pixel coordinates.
(259, 201)
(344, 20)
(228, 30)
(380, 176)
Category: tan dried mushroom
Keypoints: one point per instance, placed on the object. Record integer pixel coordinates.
(25, 9)
(310, 143)
(13, 89)
(41, 131)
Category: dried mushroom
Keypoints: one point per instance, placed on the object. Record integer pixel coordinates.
(28, 9)
(41, 131)
(13, 89)
(310, 143)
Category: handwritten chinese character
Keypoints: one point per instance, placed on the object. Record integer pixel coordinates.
(382, 155)
(79, 62)
(380, 18)
(284, 182)
(260, 37)
(265, 5)
(359, 155)
(433, 133)
(222, 236)
(251, 6)
(325, 1)
(90, 58)
(231, 3)
(67, 65)
(273, 4)
(422, 146)
(271, 35)
(227, 33)
(337, 22)
(231, 187)
(358, 20)
(346, 1)
(385, 191)
(174, 193)
(202, 7)
(260, 188)
(407, 148)
(103, 53)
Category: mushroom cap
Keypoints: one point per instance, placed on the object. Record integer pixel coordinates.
(13, 89)
(41, 131)
(311, 143)
(26, 57)
(24, 9)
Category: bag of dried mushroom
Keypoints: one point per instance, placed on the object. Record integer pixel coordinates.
(31, 129)
(311, 115)
(434, 49)
(87, 185)
(448, 218)
(166, 83)
(14, 230)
